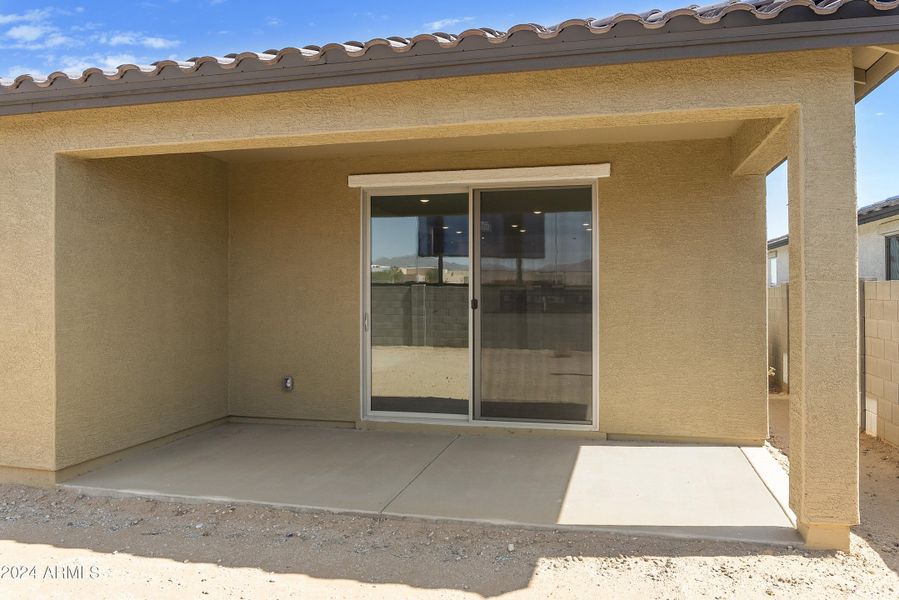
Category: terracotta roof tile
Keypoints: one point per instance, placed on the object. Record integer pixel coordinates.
(385, 47)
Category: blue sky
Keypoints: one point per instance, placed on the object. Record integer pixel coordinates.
(41, 37)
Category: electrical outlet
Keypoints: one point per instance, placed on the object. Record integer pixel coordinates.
(287, 383)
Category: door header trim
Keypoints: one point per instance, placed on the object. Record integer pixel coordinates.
(559, 174)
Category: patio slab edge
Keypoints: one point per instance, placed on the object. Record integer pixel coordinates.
(768, 536)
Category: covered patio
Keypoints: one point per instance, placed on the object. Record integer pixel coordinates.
(714, 492)
(270, 239)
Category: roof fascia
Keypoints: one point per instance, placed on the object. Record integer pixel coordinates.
(878, 215)
(525, 55)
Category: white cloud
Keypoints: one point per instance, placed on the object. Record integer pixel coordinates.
(442, 23)
(75, 65)
(55, 40)
(16, 70)
(28, 16)
(56, 43)
(273, 21)
(33, 30)
(118, 39)
(130, 38)
(879, 114)
(158, 42)
(27, 33)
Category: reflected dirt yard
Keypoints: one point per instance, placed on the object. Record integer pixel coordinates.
(508, 375)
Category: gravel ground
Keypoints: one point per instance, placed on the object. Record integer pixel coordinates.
(144, 548)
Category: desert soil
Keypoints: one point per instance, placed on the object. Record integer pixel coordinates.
(144, 548)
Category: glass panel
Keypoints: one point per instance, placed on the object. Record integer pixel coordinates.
(893, 258)
(536, 299)
(419, 304)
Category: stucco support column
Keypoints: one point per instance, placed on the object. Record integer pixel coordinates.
(27, 310)
(824, 321)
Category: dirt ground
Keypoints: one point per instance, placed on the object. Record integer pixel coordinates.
(142, 548)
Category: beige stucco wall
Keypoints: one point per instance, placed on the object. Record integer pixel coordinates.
(682, 333)
(824, 324)
(141, 301)
(27, 322)
(294, 291)
(816, 83)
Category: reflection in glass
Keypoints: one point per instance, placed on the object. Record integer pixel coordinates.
(893, 257)
(536, 298)
(419, 303)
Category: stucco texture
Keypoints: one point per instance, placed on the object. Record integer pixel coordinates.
(682, 341)
(676, 311)
(141, 301)
(294, 291)
(823, 305)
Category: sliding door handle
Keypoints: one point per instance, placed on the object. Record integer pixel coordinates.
(474, 304)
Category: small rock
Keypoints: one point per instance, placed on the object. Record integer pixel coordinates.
(511, 547)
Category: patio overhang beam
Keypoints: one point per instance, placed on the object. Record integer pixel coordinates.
(526, 52)
(759, 146)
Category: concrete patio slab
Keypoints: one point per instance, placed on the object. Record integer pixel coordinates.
(673, 490)
(332, 469)
(707, 491)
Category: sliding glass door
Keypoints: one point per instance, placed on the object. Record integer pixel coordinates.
(534, 324)
(525, 300)
(419, 277)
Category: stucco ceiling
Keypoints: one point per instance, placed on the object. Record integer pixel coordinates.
(873, 65)
(608, 135)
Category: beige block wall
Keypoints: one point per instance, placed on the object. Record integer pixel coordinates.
(882, 359)
(141, 300)
(682, 330)
(779, 336)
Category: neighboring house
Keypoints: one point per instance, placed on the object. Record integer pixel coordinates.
(178, 238)
(878, 245)
(778, 260)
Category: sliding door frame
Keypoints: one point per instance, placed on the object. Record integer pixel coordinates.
(474, 253)
(415, 183)
(396, 416)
